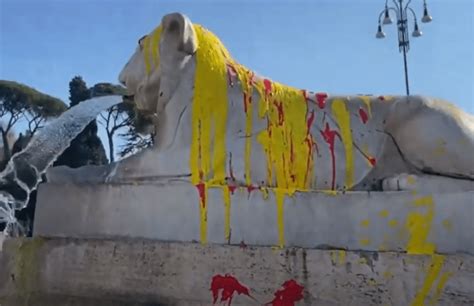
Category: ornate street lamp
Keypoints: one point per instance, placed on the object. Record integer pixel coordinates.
(401, 14)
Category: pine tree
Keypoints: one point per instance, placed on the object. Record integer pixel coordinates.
(86, 148)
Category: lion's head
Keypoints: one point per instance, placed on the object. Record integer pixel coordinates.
(153, 72)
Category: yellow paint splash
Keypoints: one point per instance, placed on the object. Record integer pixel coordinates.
(431, 276)
(338, 257)
(343, 119)
(387, 274)
(342, 257)
(383, 213)
(364, 242)
(443, 279)
(365, 223)
(366, 100)
(393, 223)
(209, 117)
(418, 226)
(150, 50)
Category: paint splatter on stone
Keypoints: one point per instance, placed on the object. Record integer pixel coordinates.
(290, 293)
(227, 286)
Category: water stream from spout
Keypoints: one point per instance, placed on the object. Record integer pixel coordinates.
(23, 172)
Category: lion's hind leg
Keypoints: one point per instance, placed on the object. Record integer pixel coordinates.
(434, 136)
(426, 183)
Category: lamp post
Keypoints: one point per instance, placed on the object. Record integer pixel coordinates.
(401, 13)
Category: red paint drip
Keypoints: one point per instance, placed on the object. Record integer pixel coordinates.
(310, 121)
(363, 115)
(292, 161)
(330, 136)
(279, 107)
(227, 285)
(290, 293)
(268, 86)
(230, 167)
(251, 188)
(202, 193)
(310, 142)
(321, 99)
(232, 188)
(245, 102)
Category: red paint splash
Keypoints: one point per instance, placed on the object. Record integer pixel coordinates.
(268, 86)
(232, 188)
(290, 293)
(251, 188)
(231, 73)
(321, 99)
(310, 142)
(201, 187)
(227, 285)
(309, 122)
(247, 101)
(382, 98)
(372, 161)
(330, 136)
(281, 117)
(363, 115)
(292, 161)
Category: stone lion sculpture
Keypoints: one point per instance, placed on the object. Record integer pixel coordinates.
(218, 123)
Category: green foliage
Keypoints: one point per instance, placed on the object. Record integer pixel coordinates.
(86, 148)
(78, 91)
(18, 97)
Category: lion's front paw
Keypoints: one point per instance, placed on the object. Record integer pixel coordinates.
(400, 182)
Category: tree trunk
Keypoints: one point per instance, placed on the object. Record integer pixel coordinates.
(6, 145)
(110, 136)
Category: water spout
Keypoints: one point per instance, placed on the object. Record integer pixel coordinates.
(23, 172)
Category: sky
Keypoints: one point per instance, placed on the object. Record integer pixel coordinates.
(319, 45)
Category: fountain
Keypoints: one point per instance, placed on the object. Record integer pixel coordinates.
(293, 195)
(23, 172)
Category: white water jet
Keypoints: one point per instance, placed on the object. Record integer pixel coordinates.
(23, 172)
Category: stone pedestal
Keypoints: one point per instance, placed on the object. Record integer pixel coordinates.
(172, 211)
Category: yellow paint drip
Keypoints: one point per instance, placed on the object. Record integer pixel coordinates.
(419, 226)
(284, 142)
(431, 276)
(227, 204)
(147, 55)
(343, 119)
(443, 279)
(342, 257)
(203, 216)
(367, 101)
(280, 202)
(245, 76)
(209, 116)
(151, 50)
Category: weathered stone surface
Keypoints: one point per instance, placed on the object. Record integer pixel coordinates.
(170, 211)
(144, 272)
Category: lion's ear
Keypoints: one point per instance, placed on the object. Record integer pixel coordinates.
(179, 31)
